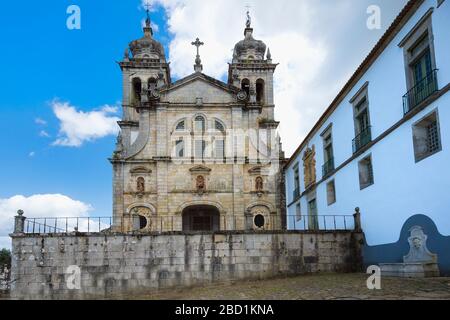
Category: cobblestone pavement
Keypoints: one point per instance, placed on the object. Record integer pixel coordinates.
(309, 287)
(322, 287)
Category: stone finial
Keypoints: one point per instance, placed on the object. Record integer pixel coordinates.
(126, 55)
(19, 222)
(357, 218)
(269, 55)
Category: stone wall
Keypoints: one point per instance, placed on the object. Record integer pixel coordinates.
(126, 264)
(4, 280)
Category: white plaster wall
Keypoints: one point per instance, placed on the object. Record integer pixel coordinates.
(402, 187)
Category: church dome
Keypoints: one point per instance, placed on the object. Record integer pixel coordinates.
(249, 48)
(147, 47)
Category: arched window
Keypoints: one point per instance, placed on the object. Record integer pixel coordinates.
(245, 86)
(181, 126)
(152, 84)
(260, 91)
(199, 140)
(219, 140)
(137, 88)
(199, 124)
(179, 148)
(219, 126)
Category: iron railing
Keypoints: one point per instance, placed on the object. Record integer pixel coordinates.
(322, 222)
(127, 224)
(328, 167)
(66, 225)
(422, 90)
(362, 139)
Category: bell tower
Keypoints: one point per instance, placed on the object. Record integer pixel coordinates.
(144, 69)
(252, 71)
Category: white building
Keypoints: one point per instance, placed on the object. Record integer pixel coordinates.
(383, 145)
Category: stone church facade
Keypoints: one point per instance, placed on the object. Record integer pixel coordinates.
(197, 154)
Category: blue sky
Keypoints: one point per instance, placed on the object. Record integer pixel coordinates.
(43, 62)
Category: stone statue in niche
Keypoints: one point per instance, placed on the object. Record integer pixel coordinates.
(418, 251)
(140, 185)
(200, 183)
(259, 184)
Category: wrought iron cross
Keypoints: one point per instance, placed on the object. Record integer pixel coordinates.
(147, 5)
(197, 43)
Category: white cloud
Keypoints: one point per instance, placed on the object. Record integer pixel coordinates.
(40, 121)
(38, 206)
(310, 39)
(78, 127)
(44, 134)
(32, 154)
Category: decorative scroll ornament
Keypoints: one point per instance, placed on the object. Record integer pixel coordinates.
(155, 95)
(242, 96)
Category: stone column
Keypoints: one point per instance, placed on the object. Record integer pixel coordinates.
(19, 222)
(248, 221)
(118, 199)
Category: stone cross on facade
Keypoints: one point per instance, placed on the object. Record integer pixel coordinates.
(198, 67)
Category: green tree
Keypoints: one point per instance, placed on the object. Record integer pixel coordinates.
(5, 258)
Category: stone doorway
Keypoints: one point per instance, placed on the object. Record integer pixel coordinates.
(201, 218)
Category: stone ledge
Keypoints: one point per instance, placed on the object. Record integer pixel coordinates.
(183, 233)
(410, 270)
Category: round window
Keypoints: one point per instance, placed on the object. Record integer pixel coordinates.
(260, 221)
(139, 222)
(142, 222)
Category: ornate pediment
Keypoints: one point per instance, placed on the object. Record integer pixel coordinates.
(140, 170)
(258, 171)
(196, 86)
(200, 170)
